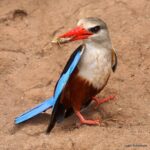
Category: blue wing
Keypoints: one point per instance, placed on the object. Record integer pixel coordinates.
(49, 103)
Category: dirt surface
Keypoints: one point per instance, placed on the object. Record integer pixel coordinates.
(30, 67)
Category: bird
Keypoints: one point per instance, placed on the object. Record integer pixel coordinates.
(90, 75)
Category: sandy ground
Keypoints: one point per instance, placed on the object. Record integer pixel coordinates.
(30, 66)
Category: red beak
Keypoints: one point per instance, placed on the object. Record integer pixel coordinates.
(77, 33)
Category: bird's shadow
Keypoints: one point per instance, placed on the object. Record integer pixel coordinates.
(40, 119)
(43, 119)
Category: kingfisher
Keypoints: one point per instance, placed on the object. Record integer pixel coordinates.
(90, 75)
(85, 74)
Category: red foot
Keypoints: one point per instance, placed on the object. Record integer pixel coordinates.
(84, 121)
(101, 101)
(90, 122)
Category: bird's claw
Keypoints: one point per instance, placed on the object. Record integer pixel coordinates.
(90, 122)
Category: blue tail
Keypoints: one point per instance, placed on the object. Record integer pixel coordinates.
(35, 111)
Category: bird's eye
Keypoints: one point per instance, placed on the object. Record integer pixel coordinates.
(95, 29)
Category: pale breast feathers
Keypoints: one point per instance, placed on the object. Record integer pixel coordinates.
(95, 66)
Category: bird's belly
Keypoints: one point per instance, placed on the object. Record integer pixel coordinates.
(95, 70)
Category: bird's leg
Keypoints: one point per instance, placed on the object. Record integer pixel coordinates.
(84, 121)
(101, 101)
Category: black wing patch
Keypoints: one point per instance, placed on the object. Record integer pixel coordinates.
(115, 60)
(59, 109)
